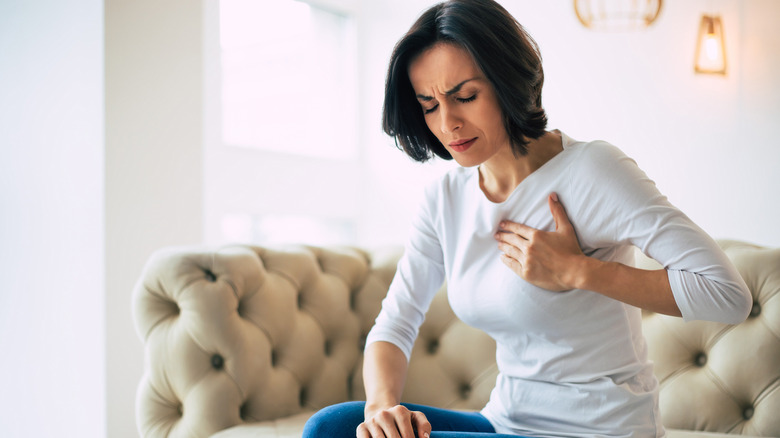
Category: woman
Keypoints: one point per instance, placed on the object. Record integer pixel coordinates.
(553, 286)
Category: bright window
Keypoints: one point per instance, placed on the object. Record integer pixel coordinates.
(282, 160)
(287, 78)
(272, 229)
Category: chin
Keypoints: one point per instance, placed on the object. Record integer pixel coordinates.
(466, 162)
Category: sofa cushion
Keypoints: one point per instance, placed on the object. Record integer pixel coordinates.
(288, 427)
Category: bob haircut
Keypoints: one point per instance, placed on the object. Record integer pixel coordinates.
(504, 52)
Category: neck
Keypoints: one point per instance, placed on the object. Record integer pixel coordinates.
(502, 173)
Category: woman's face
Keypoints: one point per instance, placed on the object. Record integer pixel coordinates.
(459, 104)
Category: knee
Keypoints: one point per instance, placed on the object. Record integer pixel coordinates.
(337, 421)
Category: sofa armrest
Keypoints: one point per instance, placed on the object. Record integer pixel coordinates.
(247, 334)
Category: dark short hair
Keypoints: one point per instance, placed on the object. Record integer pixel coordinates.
(502, 50)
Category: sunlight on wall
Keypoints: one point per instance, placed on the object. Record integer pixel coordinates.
(52, 230)
(282, 151)
(287, 82)
(273, 229)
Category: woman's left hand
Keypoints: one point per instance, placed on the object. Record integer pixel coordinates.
(547, 259)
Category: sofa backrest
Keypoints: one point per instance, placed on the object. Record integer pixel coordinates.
(243, 334)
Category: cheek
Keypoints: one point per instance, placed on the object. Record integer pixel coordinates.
(495, 123)
(433, 125)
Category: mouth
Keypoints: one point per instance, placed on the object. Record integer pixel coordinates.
(462, 145)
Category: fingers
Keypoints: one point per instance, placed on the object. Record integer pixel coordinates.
(404, 420)
(513, 246)
(421, 424)
(396, 422)
(370, 429)
(362, 431)
(512, 263)
(521, 230)
(559, 215)
(562, 223)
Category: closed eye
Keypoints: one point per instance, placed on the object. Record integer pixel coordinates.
(458, 99)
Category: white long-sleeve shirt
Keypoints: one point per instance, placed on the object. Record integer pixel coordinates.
(570, 363)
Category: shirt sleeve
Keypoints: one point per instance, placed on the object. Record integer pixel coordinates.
(615, 203)
(419, 275)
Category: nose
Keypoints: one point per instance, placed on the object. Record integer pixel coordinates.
(450, 121)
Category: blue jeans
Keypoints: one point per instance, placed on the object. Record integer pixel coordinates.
(341, 420)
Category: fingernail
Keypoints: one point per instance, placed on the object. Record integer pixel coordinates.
(554, 197)
(502, 224)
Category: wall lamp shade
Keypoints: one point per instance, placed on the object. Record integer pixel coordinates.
(617, 15)
(710, 47)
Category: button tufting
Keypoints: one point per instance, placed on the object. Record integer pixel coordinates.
(353, 301)
(755, 310)
(210, 275)
(302, 396)
(701, 359)
(465, 392)
(433, 346)
(217, 362)
(747, 414)
(327, 348)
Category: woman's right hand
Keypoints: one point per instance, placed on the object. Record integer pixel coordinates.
(394, 422)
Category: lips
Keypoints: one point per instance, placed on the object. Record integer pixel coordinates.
(462, 145)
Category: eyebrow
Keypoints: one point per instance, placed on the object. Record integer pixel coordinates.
(450, 92)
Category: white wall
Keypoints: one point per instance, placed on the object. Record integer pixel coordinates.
(707, 141)
(52, 338)
(154, 166)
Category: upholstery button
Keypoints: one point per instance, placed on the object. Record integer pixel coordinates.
(755, 310)
(217, 362)
(747, 414)
(302, 396)
(210, 275)
(327, 348)
(701, 359)
(433, 346)
(465, 392)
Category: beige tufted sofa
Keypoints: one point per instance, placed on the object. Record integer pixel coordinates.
(244, 341)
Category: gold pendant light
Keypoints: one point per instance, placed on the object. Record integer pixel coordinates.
(617, 15)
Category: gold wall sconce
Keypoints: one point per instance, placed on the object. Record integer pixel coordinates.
(617, 15)
(710, 47)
